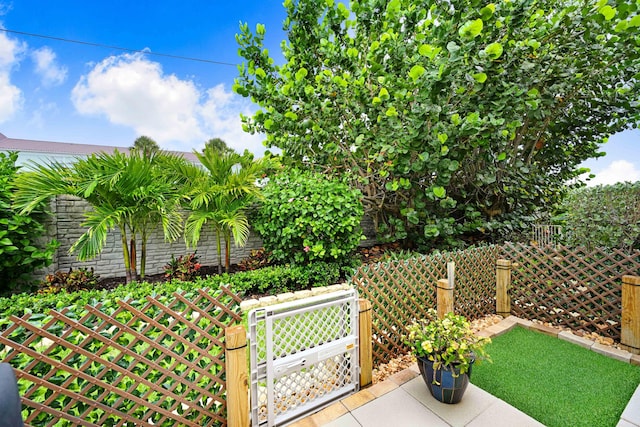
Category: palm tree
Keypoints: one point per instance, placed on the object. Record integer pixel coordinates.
(145, 145)
(131, 193)
(218, 145)
(219, 195)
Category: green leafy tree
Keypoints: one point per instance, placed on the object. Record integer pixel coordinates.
(606, 216)
(133, 193)
(454, 118)
(218, 145)
(306, 217)
(219, 194)
(145, 146)
(20, 251)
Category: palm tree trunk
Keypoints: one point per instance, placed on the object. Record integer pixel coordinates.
(125, 254)
(227, 251)
(132, 256)
(143, 253)
(219, 244)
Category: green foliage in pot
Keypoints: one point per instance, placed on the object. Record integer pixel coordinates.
(446, 342)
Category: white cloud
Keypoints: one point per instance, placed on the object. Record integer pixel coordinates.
(221, 115)
(617, 171)
(10, 95)
(134, 92)
(52, 74)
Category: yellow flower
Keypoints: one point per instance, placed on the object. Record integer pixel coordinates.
(427, 347)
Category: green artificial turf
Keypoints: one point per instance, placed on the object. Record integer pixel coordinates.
(556, 382)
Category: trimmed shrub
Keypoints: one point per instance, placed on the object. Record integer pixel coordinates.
(268, 280)
(306, 216)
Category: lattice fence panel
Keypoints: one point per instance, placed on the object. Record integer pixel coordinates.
(401, 291)
(158, 361)
(573, 288)
(475, 284)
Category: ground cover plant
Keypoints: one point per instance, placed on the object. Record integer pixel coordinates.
(267, 280)
(556, 382)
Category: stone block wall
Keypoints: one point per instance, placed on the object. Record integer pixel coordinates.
(65, 226)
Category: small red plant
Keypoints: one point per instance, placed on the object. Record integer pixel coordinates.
(184, 268)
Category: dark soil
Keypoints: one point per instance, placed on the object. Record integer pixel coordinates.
(114, 282)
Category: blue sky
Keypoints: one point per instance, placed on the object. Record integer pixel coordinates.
(68, 92)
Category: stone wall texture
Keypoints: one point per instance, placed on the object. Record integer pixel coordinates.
(65, 225)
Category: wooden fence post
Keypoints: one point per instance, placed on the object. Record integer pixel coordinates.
(444, 297)
(237, 377)
(503, 283)
(630, 337)
(365, 340)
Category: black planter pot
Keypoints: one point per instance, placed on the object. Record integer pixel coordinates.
(442, 383)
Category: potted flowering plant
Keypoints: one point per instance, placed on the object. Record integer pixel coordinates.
(446, 350)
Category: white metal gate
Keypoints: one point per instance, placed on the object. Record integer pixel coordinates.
(304, 355)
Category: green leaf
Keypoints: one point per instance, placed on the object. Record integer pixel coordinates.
(487, 11)
(429, 51)
(442, 137)
(301, 74)
(621, 26)
(260, 29)
(383, 94)
(471, 29)
(291, 115)
(494, 50)
(480, 77)
(391, 112)
(416, 71)
(343, 10)
(393, 6)
(502, 156)
(535, 44)
(439, 192)
(635, 21)
(608, 12)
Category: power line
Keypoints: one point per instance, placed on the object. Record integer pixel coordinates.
(146, 52)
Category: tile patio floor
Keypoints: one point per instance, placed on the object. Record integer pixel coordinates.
(403, 400)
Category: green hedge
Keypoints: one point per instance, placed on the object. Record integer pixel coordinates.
(268, 280)
(605, 216)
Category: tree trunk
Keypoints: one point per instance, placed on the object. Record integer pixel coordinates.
(219, 243)
(143, 254)
(125, 254)
(132, 257)
(227, 251)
